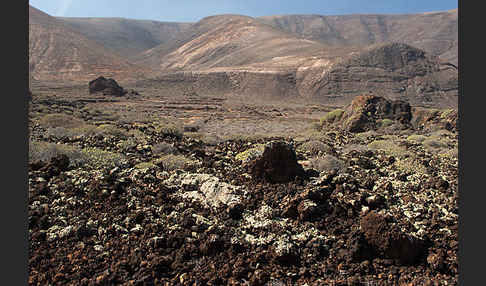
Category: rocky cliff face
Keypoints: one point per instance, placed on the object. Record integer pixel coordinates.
(436, 33)
(395, 70)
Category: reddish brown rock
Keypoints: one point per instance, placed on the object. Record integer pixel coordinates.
(429, 119)
(388, 241)
(436, 260)
(307, 209)
(366, 112)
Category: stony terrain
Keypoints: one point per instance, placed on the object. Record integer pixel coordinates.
(128, 191)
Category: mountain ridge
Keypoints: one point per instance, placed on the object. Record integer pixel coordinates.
(289, 55)
(57, 52)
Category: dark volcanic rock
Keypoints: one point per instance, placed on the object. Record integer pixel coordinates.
(428, 119)
(107, 86)
(394, 69)
(133, 93)
(389, 56)
(285, 253)
(367, 112)
(358, 248)
(436, 260)
(304, 231)
(212, 246)
(307, 209)
(55, 166)
(389, 241)
(277, 164)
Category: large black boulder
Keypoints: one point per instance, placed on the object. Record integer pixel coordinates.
(106, 86)
(277, 164)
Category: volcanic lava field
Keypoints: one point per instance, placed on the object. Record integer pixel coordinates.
(152, 189)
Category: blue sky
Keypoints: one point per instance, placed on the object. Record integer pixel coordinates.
(194, 10)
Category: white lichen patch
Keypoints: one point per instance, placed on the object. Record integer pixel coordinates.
(256, 228)
(209, 190)
(57, 231)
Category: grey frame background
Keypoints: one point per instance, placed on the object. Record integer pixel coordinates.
(13, 212)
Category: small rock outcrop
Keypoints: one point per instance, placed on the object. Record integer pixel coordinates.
(106, 86)
(388, 241)
(276, 164)
(390, 56)
(54, 167)
(369, 112)
(366, 112)
(428, 119)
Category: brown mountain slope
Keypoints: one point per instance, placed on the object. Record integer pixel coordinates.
(228, 41)
(241, 55)
(278, 56)
(393, 70)
(435, 32)
(59, 53)
(126, 37)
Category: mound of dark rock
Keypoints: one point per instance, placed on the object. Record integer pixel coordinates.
(390, 56)
(106, 86)
(370, 112)
(54, 167)
(429, 119)
(277, 164)
(388, 241)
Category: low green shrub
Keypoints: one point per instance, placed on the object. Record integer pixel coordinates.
(109, 129)
(145, 165)
(314, 147)
(86, 130)
(173, 162)
(411, 166)
(44, 151)
(385, 122)
(416, 138)
(445, 113)
(92, 157)
(60, 120)
(127, 144)
(250, 153)
(435, 145)
(391, 148)
(98, 158)
(332, 116)
(171, 130)
(354, 147)
(326, 163)
(248, 137)
(206, 138)
(164, 148)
